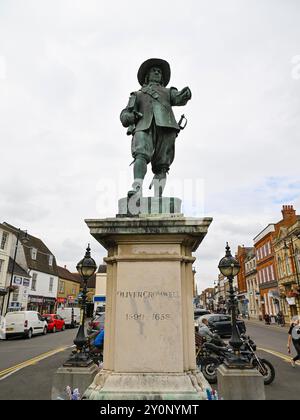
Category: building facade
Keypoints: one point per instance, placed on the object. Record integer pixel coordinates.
(39, 262)
(68, 288)
(100, 287)
(252, 285)
(5, 250)
(243, 297)
(287, 256)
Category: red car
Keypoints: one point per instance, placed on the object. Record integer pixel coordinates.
(55, 322)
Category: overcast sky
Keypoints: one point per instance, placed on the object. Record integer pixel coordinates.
(66, 70)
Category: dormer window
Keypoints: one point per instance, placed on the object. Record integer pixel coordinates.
(51, 260)
(33, 253)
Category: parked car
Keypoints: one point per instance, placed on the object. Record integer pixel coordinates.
(71, 316)
(55, 322)
(96, 323)
(221, 324)
(99, 310)
(25, 324)
(200, 312)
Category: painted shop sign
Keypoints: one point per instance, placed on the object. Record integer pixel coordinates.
(17, 280)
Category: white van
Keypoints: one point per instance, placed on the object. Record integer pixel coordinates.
(25, 323)
(71, 316)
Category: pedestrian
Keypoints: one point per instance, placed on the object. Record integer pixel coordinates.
(267, 319)
(204, 331)
(294, 335)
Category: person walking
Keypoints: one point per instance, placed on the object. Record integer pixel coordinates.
(294, 336)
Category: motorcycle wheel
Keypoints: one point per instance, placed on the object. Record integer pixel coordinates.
(209, 367)
(269, 371)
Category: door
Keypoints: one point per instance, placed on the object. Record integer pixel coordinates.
(58, 322)
(40, 323)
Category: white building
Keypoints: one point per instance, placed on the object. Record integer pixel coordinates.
(6, 238)
(100, 288)
(38, 261)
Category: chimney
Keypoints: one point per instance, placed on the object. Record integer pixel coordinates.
(288, 212)
(65, 267)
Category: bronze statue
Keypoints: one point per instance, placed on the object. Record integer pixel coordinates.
(150, 120)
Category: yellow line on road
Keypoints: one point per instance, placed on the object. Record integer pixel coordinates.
(278, 354)
(31, 361)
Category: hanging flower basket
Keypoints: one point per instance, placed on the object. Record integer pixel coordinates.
(12, 288)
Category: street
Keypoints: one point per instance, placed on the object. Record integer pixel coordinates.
(24, 375)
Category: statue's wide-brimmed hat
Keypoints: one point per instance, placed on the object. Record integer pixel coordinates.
(154, 62)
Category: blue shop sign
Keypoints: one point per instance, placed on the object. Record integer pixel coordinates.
(17, 280)
(99, 299)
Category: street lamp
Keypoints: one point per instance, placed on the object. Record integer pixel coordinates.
(86, 268)
(21, 236)
(230, 267)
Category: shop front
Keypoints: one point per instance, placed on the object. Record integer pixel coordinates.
(48, 305)
(290, 300)
(35, 303)
(270, 303)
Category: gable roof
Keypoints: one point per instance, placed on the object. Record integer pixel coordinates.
(102, 268)
(91, 284)
(42, 260)
(18, 270)
(65, 274)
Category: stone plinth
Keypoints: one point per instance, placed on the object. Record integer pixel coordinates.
(75, 377)
(240, 384)
(149, 348)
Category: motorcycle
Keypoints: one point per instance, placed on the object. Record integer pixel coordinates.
(213, 356)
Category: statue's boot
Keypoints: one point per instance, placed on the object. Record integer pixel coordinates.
(159, 182)
(137, 189)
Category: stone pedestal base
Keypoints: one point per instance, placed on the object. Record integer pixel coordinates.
(149, 346)
(240, 384)
(148, 386)
(74, 377)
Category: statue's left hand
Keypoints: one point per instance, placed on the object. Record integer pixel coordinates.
(186, 93)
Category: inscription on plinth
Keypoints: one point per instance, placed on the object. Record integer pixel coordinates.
(148, 322)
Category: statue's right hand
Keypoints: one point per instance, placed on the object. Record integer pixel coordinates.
(127, 118)
(130, 118)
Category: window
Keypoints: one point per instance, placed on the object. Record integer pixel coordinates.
(73, 291)
(61, 286)
(1, 264)
(297, 257)
(4, 240)
(51, 260)
(33, 253)
(287, 263)
(33, 282)
(51, 284)
(15, 296)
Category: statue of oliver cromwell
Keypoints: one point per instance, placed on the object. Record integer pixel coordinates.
(150, 120)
